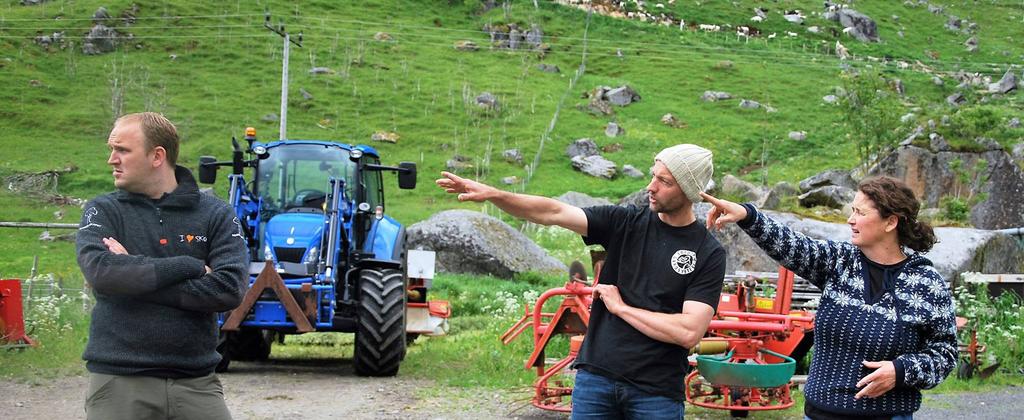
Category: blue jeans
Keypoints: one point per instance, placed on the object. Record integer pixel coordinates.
(598, 397)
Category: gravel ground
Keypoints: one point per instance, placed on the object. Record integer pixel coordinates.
(318, 390)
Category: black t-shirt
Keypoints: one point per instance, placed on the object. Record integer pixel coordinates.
(656, 267)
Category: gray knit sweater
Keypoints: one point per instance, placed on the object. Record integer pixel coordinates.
(155, 312)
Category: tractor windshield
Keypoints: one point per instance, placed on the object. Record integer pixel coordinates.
(296, 176)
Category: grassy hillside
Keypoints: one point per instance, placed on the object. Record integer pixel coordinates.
(213, 69)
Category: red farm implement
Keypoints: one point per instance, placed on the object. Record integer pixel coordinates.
(12, 321)
(753, 335)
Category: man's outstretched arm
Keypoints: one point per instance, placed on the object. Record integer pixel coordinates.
(536, 209)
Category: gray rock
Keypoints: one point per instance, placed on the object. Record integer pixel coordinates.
(382, 37)
(535, 36)
(548, 68)
(510, 180)
(864, 28)
(457, 165)
(512, 156)
(57, 38)
(736, 187)
(1018, 154)
(613, 130)
(830, 177)
(798, 135)
(712, 96)
(897, 85)
(935, 9)
(582, 200)
(829, 196)
(953, 23)
(582, 147)
(101, 39)
(956, 99)
(1014, 123)
(595, 165)
(937, 81)
(777, 194)
(1005, 85)
(487, 101)
(813, 29)
(306, 95)
(972, 44)
(672, 121)
(931, 124)
(321, 70)
(748, 104)
(794, 18)
(928, 174)
(475, 243)
(622, 96)
(937, 142)
(514, 39)
(638, 199)
(631, 171)
(907, 117)
(944, 120)
(101, 15)
(269, 118)
(830, 99)
(32, 2)
(598, 106)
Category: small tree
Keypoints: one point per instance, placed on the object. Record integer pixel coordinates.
(870, 115)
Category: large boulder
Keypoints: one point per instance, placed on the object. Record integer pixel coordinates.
(832, 196)
(862, 27)
(582, 147)
(640, 199)
(958, 250)
(736, 187)
(830, 177)
(581, 200)
(777, 194)
(930, 176)
(1004, 85)
(622, 96)
(101, 39)
(472, 242)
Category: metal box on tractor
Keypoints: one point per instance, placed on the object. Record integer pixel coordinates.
(324, 255)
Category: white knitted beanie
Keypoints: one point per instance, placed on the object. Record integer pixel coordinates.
(691, 167)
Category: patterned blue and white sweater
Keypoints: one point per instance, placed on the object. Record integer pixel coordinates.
(912, 324)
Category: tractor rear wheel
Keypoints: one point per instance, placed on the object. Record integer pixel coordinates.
(380, 335)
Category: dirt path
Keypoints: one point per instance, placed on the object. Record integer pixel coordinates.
(319, 389)
(310, 389)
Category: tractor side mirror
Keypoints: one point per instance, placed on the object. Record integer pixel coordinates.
(407, 175)
(207, 169)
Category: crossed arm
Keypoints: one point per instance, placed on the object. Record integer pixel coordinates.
(684, 329)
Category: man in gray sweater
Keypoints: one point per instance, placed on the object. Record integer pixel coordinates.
(162, 260)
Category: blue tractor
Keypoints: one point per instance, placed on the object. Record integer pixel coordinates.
(325, 256)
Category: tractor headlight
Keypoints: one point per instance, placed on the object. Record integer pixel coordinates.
(312, 256)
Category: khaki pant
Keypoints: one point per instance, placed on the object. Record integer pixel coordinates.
(113, 397)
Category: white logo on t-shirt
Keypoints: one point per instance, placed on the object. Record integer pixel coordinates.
(684, 261)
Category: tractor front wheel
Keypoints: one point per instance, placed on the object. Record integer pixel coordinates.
(380, 335)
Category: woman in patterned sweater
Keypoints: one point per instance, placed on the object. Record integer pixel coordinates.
(885, 327)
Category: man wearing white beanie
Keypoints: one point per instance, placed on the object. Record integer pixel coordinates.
(658, 289)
